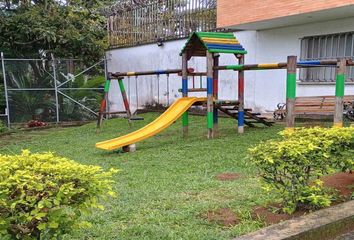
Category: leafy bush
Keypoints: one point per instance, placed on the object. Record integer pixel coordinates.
(43, 195)
(3, 128)
(293, 165)
(2, 96)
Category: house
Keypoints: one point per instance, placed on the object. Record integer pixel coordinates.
(269, 30)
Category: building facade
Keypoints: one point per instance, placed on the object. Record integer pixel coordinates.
(270, 31)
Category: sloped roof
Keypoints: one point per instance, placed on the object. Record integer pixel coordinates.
(214, 42)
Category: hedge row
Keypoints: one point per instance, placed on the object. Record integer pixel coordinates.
(45, 195)
(293, 165)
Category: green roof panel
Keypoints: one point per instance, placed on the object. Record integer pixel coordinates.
(213, 42)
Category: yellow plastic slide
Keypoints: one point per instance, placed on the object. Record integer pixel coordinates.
(166, 119)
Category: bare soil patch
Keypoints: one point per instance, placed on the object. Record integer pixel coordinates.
(223, 216)
(227, 176)
(342, 182)
(11, 138)
(269, 216)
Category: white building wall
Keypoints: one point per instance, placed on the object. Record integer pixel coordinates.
(274, 45)
(263, 89)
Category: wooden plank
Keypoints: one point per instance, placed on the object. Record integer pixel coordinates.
(197, 89)
(314, 110)
(258, 119)
(315, 104)
(324, 96)
(234, 115)
(315, 107)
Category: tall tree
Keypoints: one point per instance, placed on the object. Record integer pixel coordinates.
(67, 28)
(38, 28)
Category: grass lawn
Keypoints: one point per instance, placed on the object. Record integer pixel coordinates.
(168, 185)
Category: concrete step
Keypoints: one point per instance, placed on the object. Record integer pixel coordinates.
(348, 236)
(324, 224)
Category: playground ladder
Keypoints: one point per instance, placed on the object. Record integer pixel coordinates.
(251, 118)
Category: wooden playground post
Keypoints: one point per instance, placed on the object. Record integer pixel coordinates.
(215, 95)
(210, 101)
(104, 104)
(340, 83)
(185, 92)
(291, 91)
(241, 95)
(124, 96)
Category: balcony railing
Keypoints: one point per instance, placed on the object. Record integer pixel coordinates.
(160, 20)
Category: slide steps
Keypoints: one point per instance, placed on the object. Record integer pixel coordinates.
(251, 118)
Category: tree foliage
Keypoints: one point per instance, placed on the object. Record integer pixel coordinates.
(70, 28)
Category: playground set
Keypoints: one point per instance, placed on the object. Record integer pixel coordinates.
(211, 45)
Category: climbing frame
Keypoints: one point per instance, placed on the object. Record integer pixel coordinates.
(211, 45)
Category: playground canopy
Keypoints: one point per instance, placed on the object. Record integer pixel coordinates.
(213, 42)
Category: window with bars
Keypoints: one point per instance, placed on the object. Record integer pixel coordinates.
(326, 47)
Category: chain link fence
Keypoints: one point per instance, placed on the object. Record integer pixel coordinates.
(55, 90)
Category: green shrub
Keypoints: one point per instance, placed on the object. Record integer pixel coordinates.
(2, 96)
(43, 195)
(3, 128)
(293, 165)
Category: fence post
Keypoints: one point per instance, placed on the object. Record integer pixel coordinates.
(340, 83)
(291, 91)
(7, 110)
(55, 88)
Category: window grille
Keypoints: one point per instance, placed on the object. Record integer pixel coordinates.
(326, 47)
(160, 20)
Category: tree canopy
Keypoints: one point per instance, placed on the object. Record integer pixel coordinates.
(66, 28)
